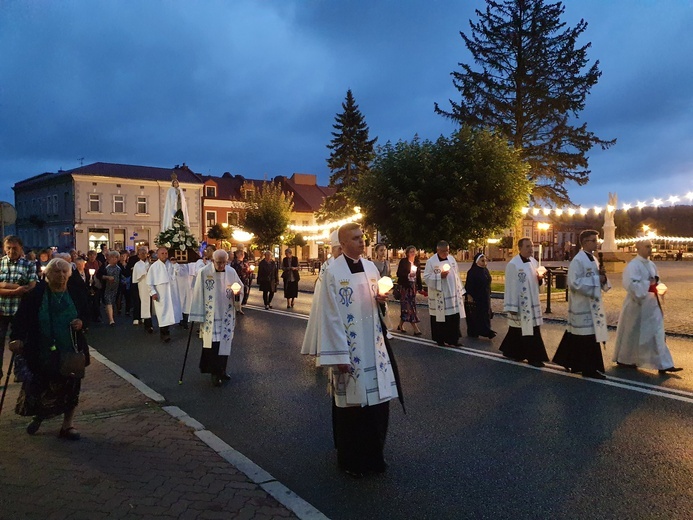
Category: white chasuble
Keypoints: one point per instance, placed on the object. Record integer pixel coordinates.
(445, 295)
(311, 339)
(183, 280)
(212, 305)
(640, 337)
(160, 283)
(521, 298)
(351, 334)
(586, 313)
(139, 276)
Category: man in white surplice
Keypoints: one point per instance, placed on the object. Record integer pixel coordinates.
(311, 339)
(143, 303)
(352, 344)
(580, 348)
(213, 306)
(523, 275)
(640, 338)
(445, 296)
(183, 276)
(164, 294)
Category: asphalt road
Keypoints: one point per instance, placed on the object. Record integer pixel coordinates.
(482, 437)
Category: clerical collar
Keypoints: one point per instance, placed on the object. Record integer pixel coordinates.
(590, 256)
(355, 266)
(524, 260)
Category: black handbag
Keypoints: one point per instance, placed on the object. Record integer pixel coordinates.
(396, 292)
(74, 361)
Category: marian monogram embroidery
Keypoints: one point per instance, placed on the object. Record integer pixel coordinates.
(209, 284)
(346, 293)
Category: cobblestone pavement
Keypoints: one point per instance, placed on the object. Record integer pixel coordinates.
(677, 303)
(134, 460)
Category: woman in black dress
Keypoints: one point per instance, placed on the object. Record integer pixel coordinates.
(291, 277)
(478, 288)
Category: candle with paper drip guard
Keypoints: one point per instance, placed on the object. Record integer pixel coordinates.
(384, 285)
(446, 268)
(235, 287)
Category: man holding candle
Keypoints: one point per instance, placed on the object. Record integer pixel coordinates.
(580, 348)
(216, 284)
(445, 296)
(353, 346)
(523, 275)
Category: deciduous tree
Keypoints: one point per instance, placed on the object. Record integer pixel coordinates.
(268, 214)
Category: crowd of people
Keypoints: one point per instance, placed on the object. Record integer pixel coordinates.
(50, 300)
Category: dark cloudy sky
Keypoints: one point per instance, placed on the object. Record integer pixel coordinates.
(252, 87)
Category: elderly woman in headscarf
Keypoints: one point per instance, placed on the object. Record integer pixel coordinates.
(478, 290)
(47, 329)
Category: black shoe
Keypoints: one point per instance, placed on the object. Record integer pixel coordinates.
(353, 474)
(225, 377)
(626, 365)
(670, 369)
(34, 425)
(71, 434)
(594, 375)
(472, 336)
(538, 364)
(165, 338)
(216, 380)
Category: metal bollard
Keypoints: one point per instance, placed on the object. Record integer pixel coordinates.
(548, 292)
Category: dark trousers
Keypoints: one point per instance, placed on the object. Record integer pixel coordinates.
(211, 362)
(447, 331)
(267, 297)
(135, 301)
(95, 303)
(359, 435)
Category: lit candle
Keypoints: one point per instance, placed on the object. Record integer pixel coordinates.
(92, 272)
(384, 285)
(235, 287)
(252, 268)
(413, 268)
(446, 268)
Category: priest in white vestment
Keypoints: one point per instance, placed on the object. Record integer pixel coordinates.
(311, 339)
(640, 337)
(580, 348)
(143, 309)
(352, 344)
(213, 307)
(523, 275)
(445, 296)
(162, 290)
(205, 260)
(183, 281)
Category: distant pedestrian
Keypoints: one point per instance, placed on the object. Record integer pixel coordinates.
(268, 278)
(478, 307)
(409, 282)
(109, 275)
(243, 270)
(290, 276)
(445, 296)
(523, 275)
(640, 338)
(580, 348)
(213, 306)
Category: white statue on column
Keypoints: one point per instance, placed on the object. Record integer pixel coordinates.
(609, 244)
(175, 201)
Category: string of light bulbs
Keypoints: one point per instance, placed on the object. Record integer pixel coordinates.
(582, 210)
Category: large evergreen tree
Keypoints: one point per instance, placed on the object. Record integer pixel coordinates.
(268, 215)
(351, 156)
(531, 86)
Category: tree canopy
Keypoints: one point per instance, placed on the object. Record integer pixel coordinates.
(268, 214)
(465, 187)
(351, 156)
(531, 87)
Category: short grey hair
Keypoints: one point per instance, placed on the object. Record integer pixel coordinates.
(57, 264)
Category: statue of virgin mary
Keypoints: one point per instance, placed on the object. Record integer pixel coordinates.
(175, 203)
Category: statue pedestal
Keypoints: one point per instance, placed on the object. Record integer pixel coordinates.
(615, 262)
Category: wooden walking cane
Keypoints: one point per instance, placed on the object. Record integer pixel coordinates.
(7, 381)
(185, 359)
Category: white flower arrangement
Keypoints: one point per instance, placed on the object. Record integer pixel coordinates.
(178, 236)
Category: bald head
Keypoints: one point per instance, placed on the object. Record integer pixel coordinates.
(219, 258)
(644, 248)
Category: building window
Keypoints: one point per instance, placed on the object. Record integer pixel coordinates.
(66, 200)
(248, 194)
(49, 205)
(118, 203)
(95, 203)
(55, 205)
(210, 191)
(305, 222)
(211, 218)
(142, 205)
(118, 239)
(232, 218)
